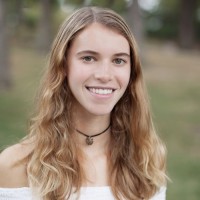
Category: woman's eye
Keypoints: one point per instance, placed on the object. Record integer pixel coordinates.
(119, 61)
(88, 58)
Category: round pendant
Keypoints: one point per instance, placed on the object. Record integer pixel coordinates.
(89, 140)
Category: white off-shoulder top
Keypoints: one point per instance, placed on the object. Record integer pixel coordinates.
(86, 193)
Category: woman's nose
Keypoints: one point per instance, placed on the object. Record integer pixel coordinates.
(103, 72)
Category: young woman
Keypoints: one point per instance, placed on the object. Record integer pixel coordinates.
(92, 137)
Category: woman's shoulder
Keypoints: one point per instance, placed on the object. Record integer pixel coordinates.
(12, 171)
(23, 193)
(160, 194)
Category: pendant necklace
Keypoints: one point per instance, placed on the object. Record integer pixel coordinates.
(89, 138)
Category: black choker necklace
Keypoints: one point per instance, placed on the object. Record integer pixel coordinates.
(89, 138)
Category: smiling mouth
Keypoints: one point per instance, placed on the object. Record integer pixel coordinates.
(102, 91)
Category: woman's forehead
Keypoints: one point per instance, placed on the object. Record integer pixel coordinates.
(98, 36)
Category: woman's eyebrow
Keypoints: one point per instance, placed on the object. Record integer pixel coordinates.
(87, 52)
(122, 54)
(96, 53)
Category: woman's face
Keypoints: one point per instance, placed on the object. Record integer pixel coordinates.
(98, 69)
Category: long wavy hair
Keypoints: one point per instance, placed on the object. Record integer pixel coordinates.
(136, 156)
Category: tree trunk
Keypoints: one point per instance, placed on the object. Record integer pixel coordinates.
(5, 75)
(135, 21)
(44, 36)
(110, 3)
(19, 12)
(187, 26)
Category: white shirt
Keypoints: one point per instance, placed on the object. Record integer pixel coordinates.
(86, 193)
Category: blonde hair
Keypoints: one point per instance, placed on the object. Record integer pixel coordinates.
(137, 159)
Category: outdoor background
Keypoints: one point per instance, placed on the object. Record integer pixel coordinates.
(168, 36)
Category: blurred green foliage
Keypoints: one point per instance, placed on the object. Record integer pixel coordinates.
(117, 5)
(31, 17)
(161, 22)
(161, 25)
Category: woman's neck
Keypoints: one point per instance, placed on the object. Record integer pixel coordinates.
(93, 157)
(91, 125)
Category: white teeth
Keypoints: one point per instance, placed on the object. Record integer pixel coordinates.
(100, 91)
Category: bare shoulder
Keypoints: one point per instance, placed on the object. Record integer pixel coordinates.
(12, 172)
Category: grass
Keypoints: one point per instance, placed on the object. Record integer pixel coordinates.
(173, 83)
(172, 78)
(177, 117)
(16, 104)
